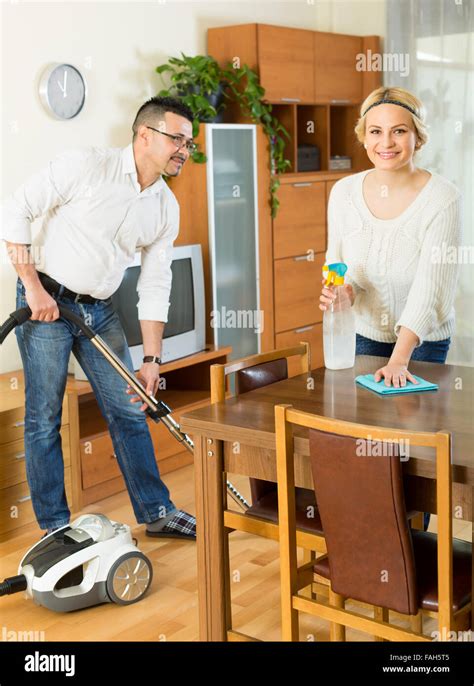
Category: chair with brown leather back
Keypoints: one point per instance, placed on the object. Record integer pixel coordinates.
(261, 518)
(373, 555)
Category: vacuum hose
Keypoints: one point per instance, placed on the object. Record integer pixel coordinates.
(156, 409)
(13, 584)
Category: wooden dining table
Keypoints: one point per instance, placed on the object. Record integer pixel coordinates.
(238, 437)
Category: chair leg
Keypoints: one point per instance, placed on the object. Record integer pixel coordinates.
(380, 614)
(308, 556)
(416, 622)
(337, 632)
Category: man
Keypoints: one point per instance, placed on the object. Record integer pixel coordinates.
(100, 206)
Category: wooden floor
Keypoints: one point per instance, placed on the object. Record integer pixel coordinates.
(169, 611)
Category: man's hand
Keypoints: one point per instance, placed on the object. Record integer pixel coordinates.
(43, 307)
(149, 376)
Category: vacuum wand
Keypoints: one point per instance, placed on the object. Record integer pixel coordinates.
(156, 409)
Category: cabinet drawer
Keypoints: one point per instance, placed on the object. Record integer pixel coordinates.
(98, 461)
(12, 460)
(300, 224)
(286, 63)
(12, 423)
(336, 79)
(312, 334)
(297, 291)
(16, 508)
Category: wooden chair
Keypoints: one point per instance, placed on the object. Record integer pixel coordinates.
(261, 518)
(373, 555)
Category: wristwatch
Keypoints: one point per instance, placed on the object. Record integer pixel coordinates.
(152, 358)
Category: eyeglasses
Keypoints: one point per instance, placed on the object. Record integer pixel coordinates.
(179, 141)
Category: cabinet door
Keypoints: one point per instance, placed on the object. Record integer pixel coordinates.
(300, 224)
(233, 233)
(297, 291)
(286, 63)
(312, 334)
(98, 460)
(336, 78)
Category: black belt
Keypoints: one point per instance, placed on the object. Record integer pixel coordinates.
(52, 286)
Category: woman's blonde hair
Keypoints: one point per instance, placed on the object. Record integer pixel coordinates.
(397, 96)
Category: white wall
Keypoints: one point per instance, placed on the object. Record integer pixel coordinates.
(117, 45)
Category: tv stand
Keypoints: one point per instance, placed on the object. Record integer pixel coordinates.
(95, 473)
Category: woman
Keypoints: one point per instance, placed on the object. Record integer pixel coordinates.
(390, 225)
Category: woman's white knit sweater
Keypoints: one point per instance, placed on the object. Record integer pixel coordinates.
(404, 270)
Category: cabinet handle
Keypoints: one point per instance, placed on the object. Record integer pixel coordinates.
(18, 424)
(341, 101)
(302, 185)
(290, 99)
(24, 499)
(301, 258)
(304, 328)
(19, 456)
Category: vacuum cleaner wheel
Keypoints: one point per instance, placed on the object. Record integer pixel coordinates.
(129, 578)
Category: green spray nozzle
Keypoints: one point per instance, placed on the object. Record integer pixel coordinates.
(334, 273)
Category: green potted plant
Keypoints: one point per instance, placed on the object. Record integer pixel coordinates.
(203, 85)
(197, 81)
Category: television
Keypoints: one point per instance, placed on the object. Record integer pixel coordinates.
(185, 330)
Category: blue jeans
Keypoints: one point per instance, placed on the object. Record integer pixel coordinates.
(429, 351)
(45, 349)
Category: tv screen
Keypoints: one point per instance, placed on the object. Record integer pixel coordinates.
(180, 314)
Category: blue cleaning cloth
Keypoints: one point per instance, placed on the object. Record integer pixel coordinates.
(367, 381)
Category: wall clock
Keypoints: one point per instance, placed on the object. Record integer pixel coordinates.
(62, 90)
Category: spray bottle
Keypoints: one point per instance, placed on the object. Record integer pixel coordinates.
(338, 321)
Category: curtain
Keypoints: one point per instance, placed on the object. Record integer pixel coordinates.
(437, 38)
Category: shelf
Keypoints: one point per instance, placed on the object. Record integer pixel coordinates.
(92, 424)
(343, 140)
(328, 175)
(211, 353)
(313, 129)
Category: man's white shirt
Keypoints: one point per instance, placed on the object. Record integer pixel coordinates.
(95, 219)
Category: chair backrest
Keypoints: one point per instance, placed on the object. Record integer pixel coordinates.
(260, 375)
(358, 488)
(263, 372)
(362, 507)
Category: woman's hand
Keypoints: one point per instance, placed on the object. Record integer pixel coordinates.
(328, 295)
(394, 373)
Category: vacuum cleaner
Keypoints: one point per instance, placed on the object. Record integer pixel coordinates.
(93, 560)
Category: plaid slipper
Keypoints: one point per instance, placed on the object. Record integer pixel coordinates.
(182, 525)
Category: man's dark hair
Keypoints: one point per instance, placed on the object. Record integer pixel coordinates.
(156, 107)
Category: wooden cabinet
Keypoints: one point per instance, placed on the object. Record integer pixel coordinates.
(297, 65)
(312, 80)
(297, 290)
(299, 233)
(300, 225)
(16, 509)
(312, 334)
(96, 471)
(336, 77)
(286, 63)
